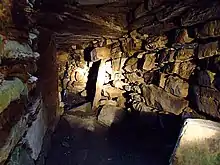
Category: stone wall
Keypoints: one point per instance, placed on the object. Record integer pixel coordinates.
(28, 111)
(175, 72)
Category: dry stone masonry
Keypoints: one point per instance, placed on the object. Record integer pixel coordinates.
(172, 70)
(108, 58)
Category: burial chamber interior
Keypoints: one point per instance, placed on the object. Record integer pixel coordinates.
(123, 76)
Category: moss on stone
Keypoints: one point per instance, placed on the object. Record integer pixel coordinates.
(10, 90)
(205, 153)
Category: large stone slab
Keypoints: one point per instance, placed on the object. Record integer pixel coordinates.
(35, 134)
(198, 143)
(157, 98)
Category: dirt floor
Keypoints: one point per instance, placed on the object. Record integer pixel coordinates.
(145, 140)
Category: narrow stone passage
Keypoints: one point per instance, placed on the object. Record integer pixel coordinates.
(80, 140)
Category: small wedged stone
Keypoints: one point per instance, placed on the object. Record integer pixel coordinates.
(158, 98)
(141, 107)
(208, 50)
(183, 37)
(149, 62)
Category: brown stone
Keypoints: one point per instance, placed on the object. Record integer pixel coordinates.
(116, 64)
(149, 62)
(99, 84)
(210, 29)
(62, 57)
(183, 37)
(163, 78)
(131, 64)
(121, 102)
(100, 53)
(184, 69)
(134, 78)
(207, 100)
(158, 98)
(176, 86)
(208, 50)
(184, 54)
(112, 92)
(158, 42)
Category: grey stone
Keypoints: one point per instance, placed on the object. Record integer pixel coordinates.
(35, 134)
(15, 134)
(20, 157)
(199, 15)
(158, 98)
(110, 115)
(136, 89)
(141, 106)
(207, 100)
(176, 86)
(127, 88)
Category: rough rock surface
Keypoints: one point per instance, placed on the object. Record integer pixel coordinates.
(176, 86)
(158, 98)
(207, 100)
(110, 115)
(208, 50)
